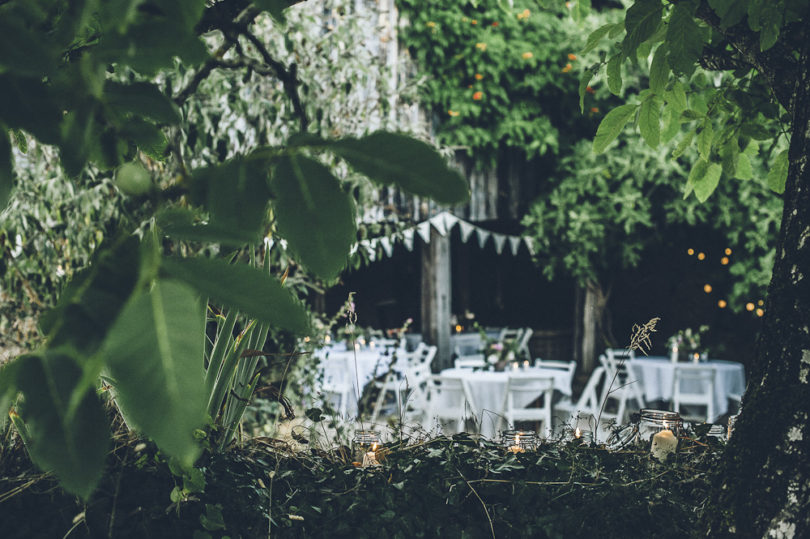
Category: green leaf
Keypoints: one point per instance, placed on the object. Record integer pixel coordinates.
(412, 165)
(777, 176)
(313, 214)
(133, 179)
(744, 169)
(597, 35)
(584, 80)
(641, 22)
(235, 194)
(677, 96)
(611, 125)
(73, 446)
(685, 39)
(21, 141)
(250, 290)
(580, 9)
(24, 51)
(6, 171)
(705, 139)
(614, 74)
(704, 178)
(180, 223)
(649, 121)
(155, 354)
(146, 136)
(659, 70)
(730, 12)
(730, 155)
(141, 99)
(685, 142)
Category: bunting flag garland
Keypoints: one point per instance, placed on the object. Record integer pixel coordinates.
(443, 223)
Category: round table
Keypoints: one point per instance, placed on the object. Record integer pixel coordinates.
(488, 389)
(656, 375)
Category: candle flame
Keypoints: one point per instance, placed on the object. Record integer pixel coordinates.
(374, 446)
(578, 433)
(517, 440)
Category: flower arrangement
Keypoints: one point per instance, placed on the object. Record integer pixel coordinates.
(686, 342)
(498, 354)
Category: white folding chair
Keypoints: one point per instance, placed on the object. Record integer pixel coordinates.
(395, 380)
(523, 344)
(693, 385)
(569, 366)
(472, 361)
(624, 386)
(527, 388)
(588, 402)
(449, 399)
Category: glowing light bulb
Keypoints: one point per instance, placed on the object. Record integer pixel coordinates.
(749, 306)
(701, 256)
(722, 304)
(760, 303)
(707, 288)
(690, 251)
(728, 251)
(760, 312)
(724, 260)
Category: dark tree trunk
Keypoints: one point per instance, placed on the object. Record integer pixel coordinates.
(766, 479)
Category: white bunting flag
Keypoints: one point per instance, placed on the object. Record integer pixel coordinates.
(529, 245)
(514, 244)
(483, 236)
(499, 240)
(466, 229)
(407, 239)
(450, 221)
(438, 223)
(423, 229)
(387, 246)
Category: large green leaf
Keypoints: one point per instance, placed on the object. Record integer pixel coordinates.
(141, 99)
(641, 22)
(649, 120)
(6, 172)
(250, 290)
(180, 223)
(611, 125)
(413, 165)
(597, 35)
(154, 353)
(685, 39)
(704, 178)
(235, 194)
(614, 73)
(659, 70)
(730, 11)
(73, 446)
(313, 214)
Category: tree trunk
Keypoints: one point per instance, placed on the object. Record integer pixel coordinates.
(766, 480)
(436, 288)
(593, 311)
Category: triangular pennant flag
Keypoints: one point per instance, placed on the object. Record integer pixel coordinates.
(499, 240)
(438, 224)
(514, 244)
(483, 236)
(387, 246)
(423, 229)
(407, 239)
(466, 229)
(529, 244)
(450, 221)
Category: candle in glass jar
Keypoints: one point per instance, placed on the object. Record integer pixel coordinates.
(370, 458)
(663, 443)
(516, 448)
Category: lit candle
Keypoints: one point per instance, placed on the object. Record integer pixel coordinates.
(516, 448)
(663, 443)
(674, 354)
(577, 433)
(695, 357)
(514, 366)
(370, 458)
(371, 344)
(327, 339)
(525, 363)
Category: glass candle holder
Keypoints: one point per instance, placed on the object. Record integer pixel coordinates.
(365, 446)
(584, 436)
(654, 421)
(519, 441)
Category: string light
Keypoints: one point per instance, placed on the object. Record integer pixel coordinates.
(724, 260)
(760, 312)
(458, 328)
(701, 256)
(722, 304)
(690, 251)
(760, 303)
(728, 251)
(749, 306)
(707, 288)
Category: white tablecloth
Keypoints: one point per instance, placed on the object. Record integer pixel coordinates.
(656, 375)
(488, 390)
(339, 365)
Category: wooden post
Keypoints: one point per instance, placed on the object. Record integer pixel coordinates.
(589, 329)
(436, 297)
